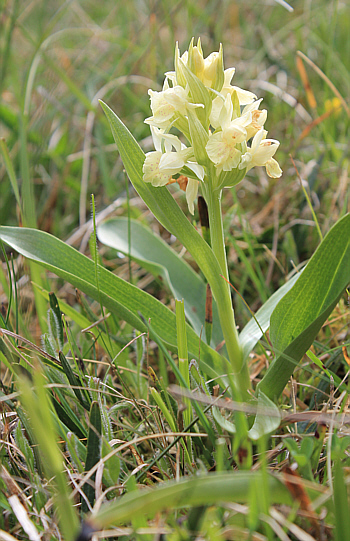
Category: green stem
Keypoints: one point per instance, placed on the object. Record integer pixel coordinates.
(225, 309)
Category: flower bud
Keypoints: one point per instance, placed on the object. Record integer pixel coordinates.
(213, 73)
(197, 62)
(210, 71)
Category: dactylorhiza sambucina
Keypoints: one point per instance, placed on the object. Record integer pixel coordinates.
(222, 124)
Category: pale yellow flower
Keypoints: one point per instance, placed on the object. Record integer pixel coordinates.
(258, 118)
(261, 154)
(244, 97)
(166, 104)
(160, 165)
(152, 172)
(222, 145)
(209, 70)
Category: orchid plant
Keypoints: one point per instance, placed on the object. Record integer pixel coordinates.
(225, 137)
(207, 134)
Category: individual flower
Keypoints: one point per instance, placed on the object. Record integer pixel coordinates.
(210, 70)
(206, 69)
(166, 104)
(222, 145)
(258, 118)
(162, 164)
(261, 153)
(244, 97)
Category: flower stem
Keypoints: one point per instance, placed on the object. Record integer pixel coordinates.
(225, 308)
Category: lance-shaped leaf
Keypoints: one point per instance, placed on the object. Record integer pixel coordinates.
(259, 324)
(168, 213)
(93, 451)
(299, 316)
(200, 94)
(158, 258)
(117, 295)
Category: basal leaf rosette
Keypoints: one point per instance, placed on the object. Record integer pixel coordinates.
(221, 126)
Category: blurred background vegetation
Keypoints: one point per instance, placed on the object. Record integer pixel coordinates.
(58, 58)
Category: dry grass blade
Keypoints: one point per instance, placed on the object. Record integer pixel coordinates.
(128, 444)
(4, 536)
(23, 518)
(29, 343)
(286, 418)
(326, 79)
(293, 528)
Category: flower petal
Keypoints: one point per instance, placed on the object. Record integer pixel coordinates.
(191, 193)
(215, 147)
(245, 97)
(273, 169)
(266, 150)
(197, 169)
(171, 163)
(228, 73)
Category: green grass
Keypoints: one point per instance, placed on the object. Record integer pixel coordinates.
(85, 411)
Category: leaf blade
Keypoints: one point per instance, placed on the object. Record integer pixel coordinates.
(115, 293)
(301, 313)
(152, 253)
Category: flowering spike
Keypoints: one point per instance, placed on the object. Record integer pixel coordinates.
(222, 123)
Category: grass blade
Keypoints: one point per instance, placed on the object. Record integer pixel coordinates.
(199, 490)
(93, 451)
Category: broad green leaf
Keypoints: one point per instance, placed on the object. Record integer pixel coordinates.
(299, 316)
(116, 295)
(254, 329)
(267, 418)
(156, 256)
